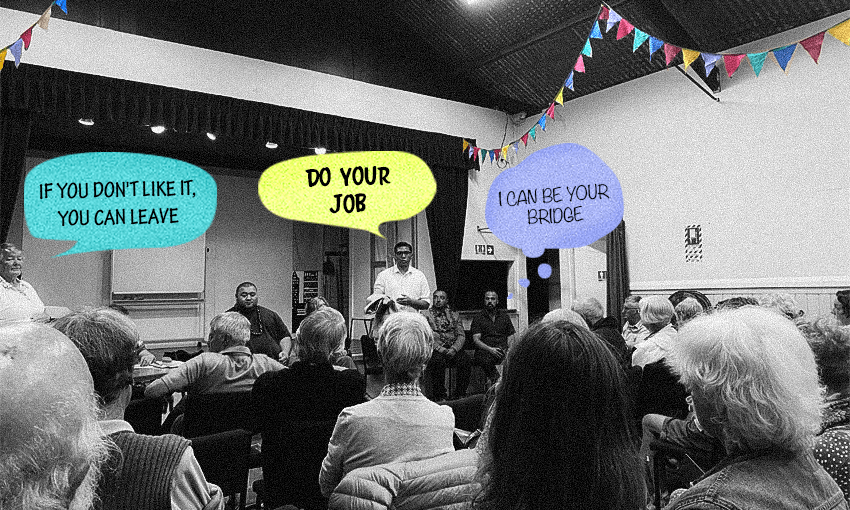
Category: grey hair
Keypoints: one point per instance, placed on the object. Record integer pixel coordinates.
(319, 335)
(783, 303)
(656, 310)
(757, 371)
(229, 329)
(686, 310)
(830, 344)
(404, 343)
(590, 310)
(565, 314)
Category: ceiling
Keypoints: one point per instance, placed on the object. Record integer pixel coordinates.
(509, 55)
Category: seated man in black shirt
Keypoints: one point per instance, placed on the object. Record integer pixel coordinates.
(492, 330)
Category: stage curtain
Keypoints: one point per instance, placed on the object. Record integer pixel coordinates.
(618, 271)
(14, 138)
(446, 218)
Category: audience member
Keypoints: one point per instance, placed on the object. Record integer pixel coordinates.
(230, 367)
(782, 303)
(18, 299)
(143, 355)
(560, 432)
(400, 424)
(403, 283)
(831, 346)
(841, 307)
(686, 310)
(269, 335)
(51, 447)
(158, 472)
(492, 332)
(736, 302)
(449, 338)
(754, 384)
(339, 356)
(565, 314)
(634, 332)
(656, 314)
(593, 313)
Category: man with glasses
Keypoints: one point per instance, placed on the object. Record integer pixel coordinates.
(403, 283)
(634, 332)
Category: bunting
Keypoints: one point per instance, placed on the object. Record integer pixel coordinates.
(732, 62)
(23, 42)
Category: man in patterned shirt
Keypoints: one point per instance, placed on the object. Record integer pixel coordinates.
(448, 340)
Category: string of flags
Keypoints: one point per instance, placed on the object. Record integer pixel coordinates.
(23, 42)
(608, 19)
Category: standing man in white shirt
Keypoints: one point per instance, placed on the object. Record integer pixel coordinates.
(403, 283)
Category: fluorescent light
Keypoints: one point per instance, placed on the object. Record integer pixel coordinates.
(211, 136)
(271, 145)
(86, 122)
(320, 150)
(158, 129)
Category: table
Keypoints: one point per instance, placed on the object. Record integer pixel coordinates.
(145, 414)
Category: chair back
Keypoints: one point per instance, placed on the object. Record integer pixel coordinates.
(371, 359)
(212, 413)
(292, 457)
(224, 459)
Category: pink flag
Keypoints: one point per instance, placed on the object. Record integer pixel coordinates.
(732, 62)
(27, 37)
(524, 139)
(604, 13)
(579, 64)
(475, 153)
(670, 52)
(551, 111)
(624, 29)
(813, 45)
(497, 152)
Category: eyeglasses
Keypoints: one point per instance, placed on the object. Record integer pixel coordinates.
(403, 253)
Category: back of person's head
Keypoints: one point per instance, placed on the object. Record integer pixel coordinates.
(590, 310)
(656, 311)
(315, 303)
(736, 302)
(404, 343)
(107, 340)
(783, 303)
(229, 329)
(830, 344)
(758, 374)
(560, 433)
(686, 310)
(51, 446)
(565, 314)
(633, 299)
(319, 335)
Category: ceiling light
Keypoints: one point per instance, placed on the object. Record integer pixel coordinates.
(86, 122)
(211, 136)
(271, 145)
(158, 129)
(320, 150)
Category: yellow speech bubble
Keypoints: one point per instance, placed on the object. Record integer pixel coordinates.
(351, 189)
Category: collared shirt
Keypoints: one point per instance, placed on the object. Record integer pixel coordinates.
(18, 301)
(633, 335)
(189, 487)
(392, 282)
(494, 331)
(655, 348)
(401, 390)
(232, 370)
(447, 327)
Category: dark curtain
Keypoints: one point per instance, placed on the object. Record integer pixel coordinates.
(14, 138)
(618, 271)
(446, 217)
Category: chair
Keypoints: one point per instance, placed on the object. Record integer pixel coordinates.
(372, 364)
(212, 413)
(145, 415)
(224, 460)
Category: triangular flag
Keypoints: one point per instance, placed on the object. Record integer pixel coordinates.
(588, 50)
(27, 37)
(2, 58)
(732, 62)
(604, 14)
(709, 60)
(542, 122)
(841, 32)
(45, 17)
(613, 19)
(470, 151)
(689, 56)
(61, 4)
(475, 153)
(483, 154)
(551, 111)
(594, 32)
(491, 156)
(532, 132)
(757, 61)
(654, 45)
(505, 152)
(783, 55)
(465, 145)
(625, 29)
(579, 65)
(640, 38)
(498, 153)
(516, 147)
(15, 48)
(569, 82)
(560, 97)
(670, 52)
(524, 139)
(813, 45)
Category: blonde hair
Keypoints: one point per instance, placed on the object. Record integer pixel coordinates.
(687, 310)
(404, 343)
(656, 310)
(229, 329)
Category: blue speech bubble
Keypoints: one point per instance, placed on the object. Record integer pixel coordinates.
(118, 200)
(562, 196)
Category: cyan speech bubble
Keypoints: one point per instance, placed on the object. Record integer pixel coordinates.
(118, 200)
(562, 196)
(348, 189)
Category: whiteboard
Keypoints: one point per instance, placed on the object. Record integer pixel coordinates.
(173, 270)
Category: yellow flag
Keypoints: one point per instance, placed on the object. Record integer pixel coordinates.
(2, 59)
(841, 32)
(560, 98)
(465, 145)
(504, 152)
(689, 56)
(45, 18)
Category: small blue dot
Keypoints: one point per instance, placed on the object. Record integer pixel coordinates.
(524, 282)
(510, 295)
(544, 270)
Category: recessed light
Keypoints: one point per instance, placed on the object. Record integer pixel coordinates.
(86, 122)
(158, 129)
(271, 145)
(211, 136)
(320, 150)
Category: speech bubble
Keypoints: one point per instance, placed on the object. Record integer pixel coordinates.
(563, 196)
(118, 200)
(350, 189)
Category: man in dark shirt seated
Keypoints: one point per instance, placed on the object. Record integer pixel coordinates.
(492, 332)
(269, 335)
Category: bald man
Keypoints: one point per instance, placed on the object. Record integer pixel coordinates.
(51, 447)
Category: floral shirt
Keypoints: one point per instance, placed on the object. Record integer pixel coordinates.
(832, 447)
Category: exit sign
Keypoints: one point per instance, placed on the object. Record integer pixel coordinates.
(484, 249)
(602, 275)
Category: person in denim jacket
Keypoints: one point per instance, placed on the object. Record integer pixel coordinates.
(754, 383)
